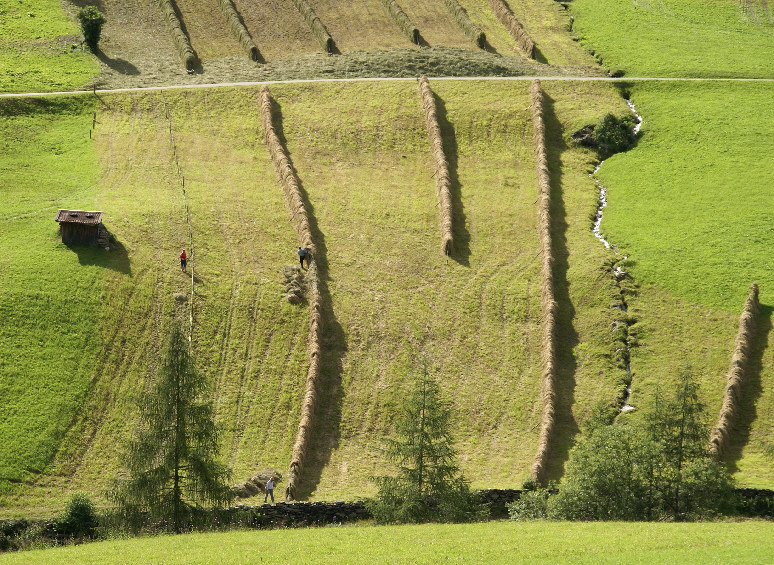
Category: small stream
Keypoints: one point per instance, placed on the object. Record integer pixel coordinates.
(618, 272)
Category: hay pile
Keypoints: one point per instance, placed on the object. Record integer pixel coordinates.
(402, 20)
(238, 28)
(737, 374)
(442, 178)
(318, 29)
(294, 284)
(300, 218)
(504, 14)
(182, 43)
(256, 484)
(466, 25)
(548, 304)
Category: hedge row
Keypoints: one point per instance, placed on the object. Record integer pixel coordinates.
(442, 177)
(737, 374)
(295, 202)
(468, 27)
(548, 305)
(238, 28)
(504, 14)
(182, 43)
(322, 35)
(403, 21)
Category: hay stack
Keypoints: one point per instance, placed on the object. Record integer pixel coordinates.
(504, 14)
(318, 29)
(737, 374)
(466, 25)
(442, 178)
(548, 305)
(295, 203)
(182, 43)
(402, 20)
(238, 28)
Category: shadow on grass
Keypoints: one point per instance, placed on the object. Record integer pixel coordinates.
(566, 336)
(460, 232)
(326, 421)
(539, 57)
(117, 259)
(118, 65)
(740, 434)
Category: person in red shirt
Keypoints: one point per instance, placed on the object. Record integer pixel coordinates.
(183, 261)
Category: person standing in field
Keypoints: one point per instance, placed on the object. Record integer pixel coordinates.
(269, 490)
(183, 261)
(303, 253)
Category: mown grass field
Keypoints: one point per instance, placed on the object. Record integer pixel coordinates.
(40, 48)
(494, 542)
(708, 194)
(363, 157)
(677, 38)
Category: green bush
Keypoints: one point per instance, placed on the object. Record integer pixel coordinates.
(613, 134)
(92, 21)
(79, 519)
(532, 505)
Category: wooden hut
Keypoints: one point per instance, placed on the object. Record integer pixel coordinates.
(79, 227)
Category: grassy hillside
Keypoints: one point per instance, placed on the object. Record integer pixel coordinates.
(675, 38)
(697, 260)
(40, 48)
(494, 542)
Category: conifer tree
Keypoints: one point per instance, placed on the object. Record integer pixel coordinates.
(173, 461)
(429, 485)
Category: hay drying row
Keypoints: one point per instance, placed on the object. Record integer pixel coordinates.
(737, 374)
(466, 25)
(504, 14)
(238, 28)
(548, 304)
(182, 43)
(294, 200)
(402, 20)
(316, 25)
(442, 177)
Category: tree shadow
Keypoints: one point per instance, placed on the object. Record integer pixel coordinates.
(118, 65)
(751, 392)
(326, 429)
(539, 57)
(460, 232)
(489, 48)
(116, 259)
(566, 337)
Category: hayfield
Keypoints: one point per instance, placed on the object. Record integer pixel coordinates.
(678, 38)
(709, 194)
(493, 542)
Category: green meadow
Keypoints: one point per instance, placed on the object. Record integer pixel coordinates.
(40, 48)
(679, 38)
(493, 542)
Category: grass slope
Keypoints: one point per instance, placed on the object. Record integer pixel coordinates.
(695, 220)
(675, 38)
(40, 48)
(499, 542)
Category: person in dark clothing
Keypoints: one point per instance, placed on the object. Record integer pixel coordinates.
(303, 254)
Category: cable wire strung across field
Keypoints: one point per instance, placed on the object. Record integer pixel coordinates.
(442, 177)
(294, 200)
(548, 305)
(737, 374)
(181, 179)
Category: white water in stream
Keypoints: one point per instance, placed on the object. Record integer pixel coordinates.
(617, 271)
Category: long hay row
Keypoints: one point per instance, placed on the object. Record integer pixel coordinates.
(318, 29)
(504, 14)
(548, 304)
(402, 20)
(737, 374)
(466, 25)
(442, 178)
(238, 28)
(182, 43)
(300, 218)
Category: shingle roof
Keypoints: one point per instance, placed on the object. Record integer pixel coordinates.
(79, 217)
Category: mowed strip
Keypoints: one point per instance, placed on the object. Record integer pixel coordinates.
(436, 25)
(207, 29)
(360, 25)
(363, 155)
(277, 28)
